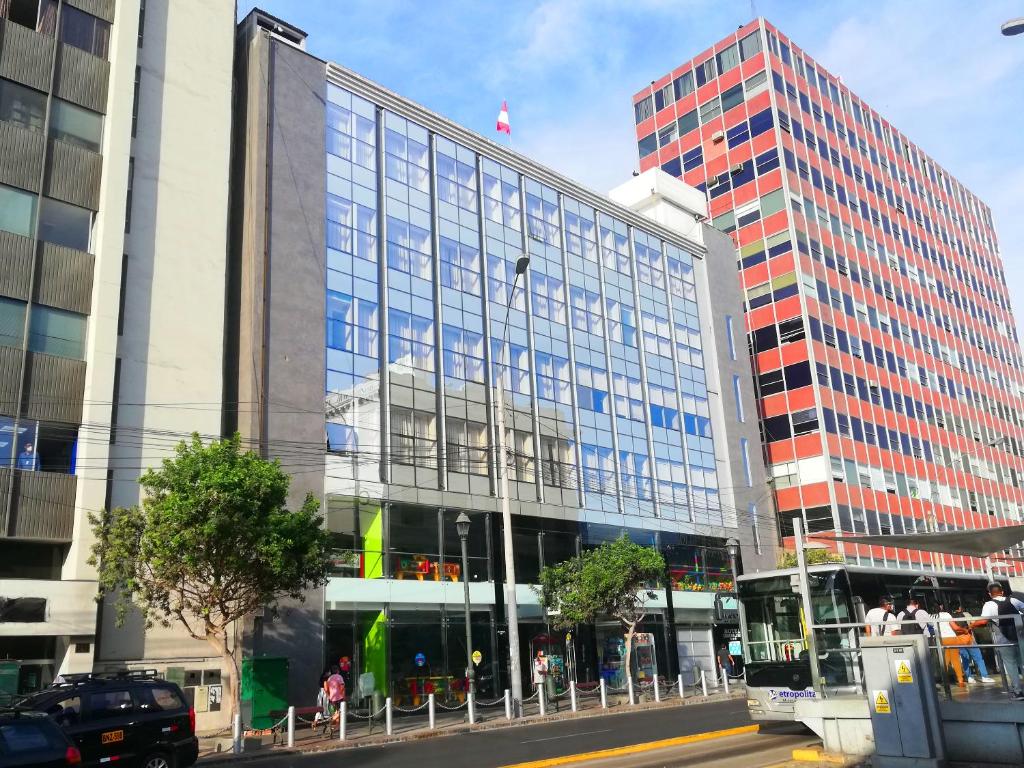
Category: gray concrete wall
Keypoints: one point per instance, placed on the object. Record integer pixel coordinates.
(278, 283)
(725, 299)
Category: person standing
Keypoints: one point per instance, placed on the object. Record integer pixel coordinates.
(916, 612)
(950, 641)
(540, 674)
(969, 650)
(725, 661)
(1001, 611)
(28, 459)
(335, 686)
(882, 619)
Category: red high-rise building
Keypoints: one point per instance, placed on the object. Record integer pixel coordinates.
(886, 355)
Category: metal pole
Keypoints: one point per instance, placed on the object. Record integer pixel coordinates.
(740, 612)
(343, 721)
(988, 569)
(508, 705)
(470, 675)
(291, 726)
(805, 598)
(572, 694)
(540, 699)
(604, 695)
(511, 606)
(387, 715)
(236, 734)
(703, 683)
(471, 707)
(657, 690)
(629, 683)
(725, 680)
(682, 691)
(430, 710)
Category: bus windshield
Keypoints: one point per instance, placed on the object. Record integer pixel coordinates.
(774, 616)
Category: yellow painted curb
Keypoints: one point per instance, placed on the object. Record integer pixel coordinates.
(817, 756)
(633, 749)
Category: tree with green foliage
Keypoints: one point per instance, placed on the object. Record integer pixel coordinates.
(212, 542)
(787, 558)
(612, 580)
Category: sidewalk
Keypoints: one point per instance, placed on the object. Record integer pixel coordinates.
(216, 748)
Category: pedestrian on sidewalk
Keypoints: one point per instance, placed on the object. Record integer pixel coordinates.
(323, 704)
(1001, 611)
(335, 687)
(970, 651)
(540, 674)
(725, 661)
(951, 642)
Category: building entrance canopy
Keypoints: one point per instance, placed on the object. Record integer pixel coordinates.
(977, 543)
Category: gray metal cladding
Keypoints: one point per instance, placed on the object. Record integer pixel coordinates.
(15, 265)
(103, 9)
(43, 506)
(21, 156)
(25, 55)
(64, 278)
(54, 388)
(82, 78)
(10, 377)
(74, 174)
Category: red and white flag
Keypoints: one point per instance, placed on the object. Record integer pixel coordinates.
(503, 123)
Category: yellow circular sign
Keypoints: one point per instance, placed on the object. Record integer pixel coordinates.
(477, 657)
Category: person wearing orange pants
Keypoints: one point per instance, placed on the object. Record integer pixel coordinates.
(952, 643)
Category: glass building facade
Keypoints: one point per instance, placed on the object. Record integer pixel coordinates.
(600, 354)
(886, 359)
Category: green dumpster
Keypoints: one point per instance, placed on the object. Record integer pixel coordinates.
(264, 689)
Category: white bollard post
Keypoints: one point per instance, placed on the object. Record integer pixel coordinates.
(540, 700)
(572, 694)
(471, 707)
(679, 682)
(291, 726)
(703, 683)
(604, 695)
(343, 721)
(632, 697)
(430, 710)
(657, 690)
(508, 705)
(236, 735)
(725, 681)
(387, 715)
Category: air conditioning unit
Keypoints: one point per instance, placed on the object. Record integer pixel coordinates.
(718, 137)
(736, 168)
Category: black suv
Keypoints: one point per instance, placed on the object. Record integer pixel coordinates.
(135, 719)
(30, 738)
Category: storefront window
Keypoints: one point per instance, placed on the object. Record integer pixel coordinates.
(414, 543)
(476, 546)
(357, 538)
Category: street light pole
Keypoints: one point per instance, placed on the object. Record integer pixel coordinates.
(462, 526)
(733, 548)
(805, 598)
(501, 465)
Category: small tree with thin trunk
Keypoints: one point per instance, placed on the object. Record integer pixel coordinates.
(212, 542)
(612, 580)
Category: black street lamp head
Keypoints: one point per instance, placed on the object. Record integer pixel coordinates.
(522, 264)
(1013, 27)
(462, 525)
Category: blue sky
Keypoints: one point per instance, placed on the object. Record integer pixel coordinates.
(938, 70)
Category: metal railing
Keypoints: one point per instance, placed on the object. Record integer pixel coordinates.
(350, 724)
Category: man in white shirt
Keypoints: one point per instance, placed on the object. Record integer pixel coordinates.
(914, 611)
(881, 620)
(1001, 612)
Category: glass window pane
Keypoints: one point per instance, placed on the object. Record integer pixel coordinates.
(22, 106)
(57, 332)
(17, 209)
(84, 31)
(64, 224)
(76, 125)
(12, 322)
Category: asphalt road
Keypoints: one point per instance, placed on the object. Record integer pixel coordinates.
(507, 746)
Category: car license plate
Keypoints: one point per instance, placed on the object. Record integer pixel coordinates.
(111, 736)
